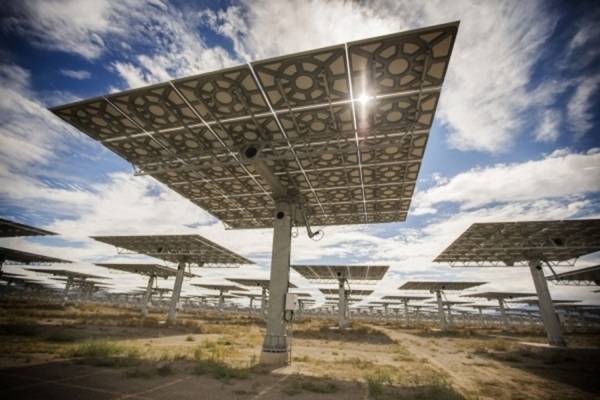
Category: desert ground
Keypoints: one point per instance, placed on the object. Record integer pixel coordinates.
(94, 351)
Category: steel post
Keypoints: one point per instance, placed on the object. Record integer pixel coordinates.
(176, 292)
(551, 322)
(442, 314)
(505, 319)
(263, 301)
(66, 292)
(274, 350)
(147, 296)
(342, 304)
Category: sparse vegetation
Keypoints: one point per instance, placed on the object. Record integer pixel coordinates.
(220, 370)
(297, 385)
(377, 381)
(104, 353)
(224, 346)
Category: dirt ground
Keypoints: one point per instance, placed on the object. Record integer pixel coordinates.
(100, 352)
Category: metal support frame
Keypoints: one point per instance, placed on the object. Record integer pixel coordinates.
(450, 318)
(147, 296)
(342, 303)
(481, 319)
(172, 317)
(505, 319)
(274, 350)
(66, 292)
(221, 300)
(441, 313)
(263, 302)
(406, 315)
(549, 316)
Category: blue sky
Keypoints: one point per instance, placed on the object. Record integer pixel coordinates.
(515, 137)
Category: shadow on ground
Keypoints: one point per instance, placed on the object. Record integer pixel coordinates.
(355, 333)
(575, 367)
(208, 380)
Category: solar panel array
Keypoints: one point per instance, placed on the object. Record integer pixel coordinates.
(449, 302)
(431, 285)
(405, 298)
(535, 302)
(351, 292)
(516, 243)
(65, 272)
(144, 269)
(193, 249)
(13, 229)
(351, 161)
(263, 283)
(589, 276)
(499, 295)
(224, 288)
(23, 257)
(336, 272)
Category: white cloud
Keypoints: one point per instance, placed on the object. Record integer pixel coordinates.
(558, 175)
(580, 106)
(74, 26)
(587, 30)
(487, 88)
(548, 130)
(486, 94)
(29, 133)
(170, 37)
(76, 73)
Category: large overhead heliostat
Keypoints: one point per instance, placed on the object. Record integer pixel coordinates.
(331, 136)
(13, 229)
(190, 250)
(589, 276)
(508, 244)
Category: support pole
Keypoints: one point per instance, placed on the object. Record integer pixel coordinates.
(263, 302)
(221, 300)
(274, 350)
(251, 304)
(481, 320)
(450, 321)
(342, 304)
(66, 292)
(551, 322)
(504, 316)
(147, 296)
(406, 316)
(442, 315)
(176, 292)
(417, 316)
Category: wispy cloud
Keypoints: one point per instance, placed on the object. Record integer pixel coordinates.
(549, 125)
(561, 174)
(580, 106)
(76, 73)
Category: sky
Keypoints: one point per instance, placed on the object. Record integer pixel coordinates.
(516, 134)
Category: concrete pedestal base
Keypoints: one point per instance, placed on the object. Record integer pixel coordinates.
(272, 358)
